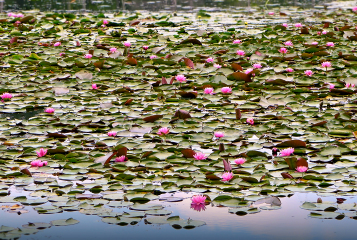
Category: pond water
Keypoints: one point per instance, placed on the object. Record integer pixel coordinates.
(290, 221)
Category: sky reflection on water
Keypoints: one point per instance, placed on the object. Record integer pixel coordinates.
(290, 222)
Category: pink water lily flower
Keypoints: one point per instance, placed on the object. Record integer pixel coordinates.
(250, 121)
(113, 49)
(38, 163)
(57, 44)
(219, 134)
(88, 56)
(198, 199)
(249, 70)
(286, 152)
(354, 9)
(112, 134)
(288, 43)
(49, 110)
(19, 15)
(240, 161)
(208, 90)
(5, 96)
(163, 131)
(308, 73)
(127, 44)
(331, 86)
(200, 156)
(120, 158)
(271, 13)
(145, 47)
(227, 176)
(41, 153)
(105, 22)
(237, 41)
(257, 65)
(94, 86)
(226, 90)
(284, 25)
(11, 14)
(283, 50)
(217, 66)
(240, 53)
(314, 43)
(298, 25)
(62, 54)
(326, 64)
(324, 32)
(209, 60)
(181, 78)
(301, 169)
(347, 85)
(330, 44)
(153, 57)
(289, 70)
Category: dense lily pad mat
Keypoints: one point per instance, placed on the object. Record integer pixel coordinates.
(132, 92)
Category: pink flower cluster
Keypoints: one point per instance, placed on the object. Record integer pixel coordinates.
(198, 202)
(38, 163)
(308, 73)
(347, 85)
(283, 50)
(240, 53)
(257, 65)
(288, 43)
(14, 15)
(163, 131)
(112, 134)
(210, 60)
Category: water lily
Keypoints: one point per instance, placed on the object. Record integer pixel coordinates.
(271, 13)
(237, 41)
(330, 44)
(227, 176)
(354, 9)
(94, 86)
(289, 70)
(112, 134)
(145, 47)
(57, 44)
(163, 131)
(38, 163)
(113, 49)
(250, 121)
(219, 134)
(286, 152)
(324, 32)
(210, 60)
(217, 66)
(283, 50)
(298, 25)
(288, 43)
(301, 169)
(314, 43)
(41, 153)
(285, 25)
(326, 65)
(249, 70)
(257, 65)
(120, 158)
(153, 57)
(127, 44)
(105, 22)
(208, 90)
(200, 156)
(309, 73)
(240, 161)
(181, 78)
(331, 86)
(240, 53)
(226, 90)
(88, 56)
(49, 110)
(6, 96)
